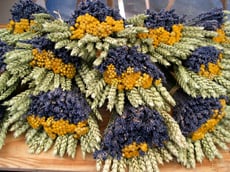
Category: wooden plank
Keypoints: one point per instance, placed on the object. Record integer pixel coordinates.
(2, 25)
(14, 156)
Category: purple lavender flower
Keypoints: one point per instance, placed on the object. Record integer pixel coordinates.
(3, 49)
(202, 55)
(163, 18)
(25, 9)
(210, 20)
(124, 57)
(95, 8)
(67, 105)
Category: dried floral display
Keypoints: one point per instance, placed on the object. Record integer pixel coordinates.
(22, 25)
(126, 74)
(138, 139)
(60, 118)
(165, 80)
(200, 120)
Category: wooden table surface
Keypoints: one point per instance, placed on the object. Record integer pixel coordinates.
(2, 25)
(14, 156)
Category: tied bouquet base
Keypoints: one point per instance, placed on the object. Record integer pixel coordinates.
(63, 164)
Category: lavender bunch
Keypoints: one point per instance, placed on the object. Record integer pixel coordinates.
(210, 20)
(124, 57)
(25, 9)
(139, 125)
(191, 113)
(95, 8)
(165, 19)
(126, 72)
(42, 43)
(201, 55)
(3, 49)
(59, 104)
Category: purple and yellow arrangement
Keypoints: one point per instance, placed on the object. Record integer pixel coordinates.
(164, 79)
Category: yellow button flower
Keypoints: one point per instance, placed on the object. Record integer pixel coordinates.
(160, 35)
(24, 25)
(221, 37)
(133, 149)
(128, 79)
(91, 25)
(60, 127)
(212, 69)
(47, 60)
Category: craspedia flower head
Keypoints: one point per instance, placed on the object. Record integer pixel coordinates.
(205, 61)
(133, 133)
(24, 10)
(165, 19)
(210, 20)
(3, 49)
(59, 112)
(194, 114)
(129, 65)
(96, 9)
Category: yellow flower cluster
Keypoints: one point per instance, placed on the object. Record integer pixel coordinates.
(24, 25)
(91, 25)
(211, 123)
(129, 79)
(60, 127)
(160, 35)
(212, 70)
(221, 37)
(133, 149)
(47, 60)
